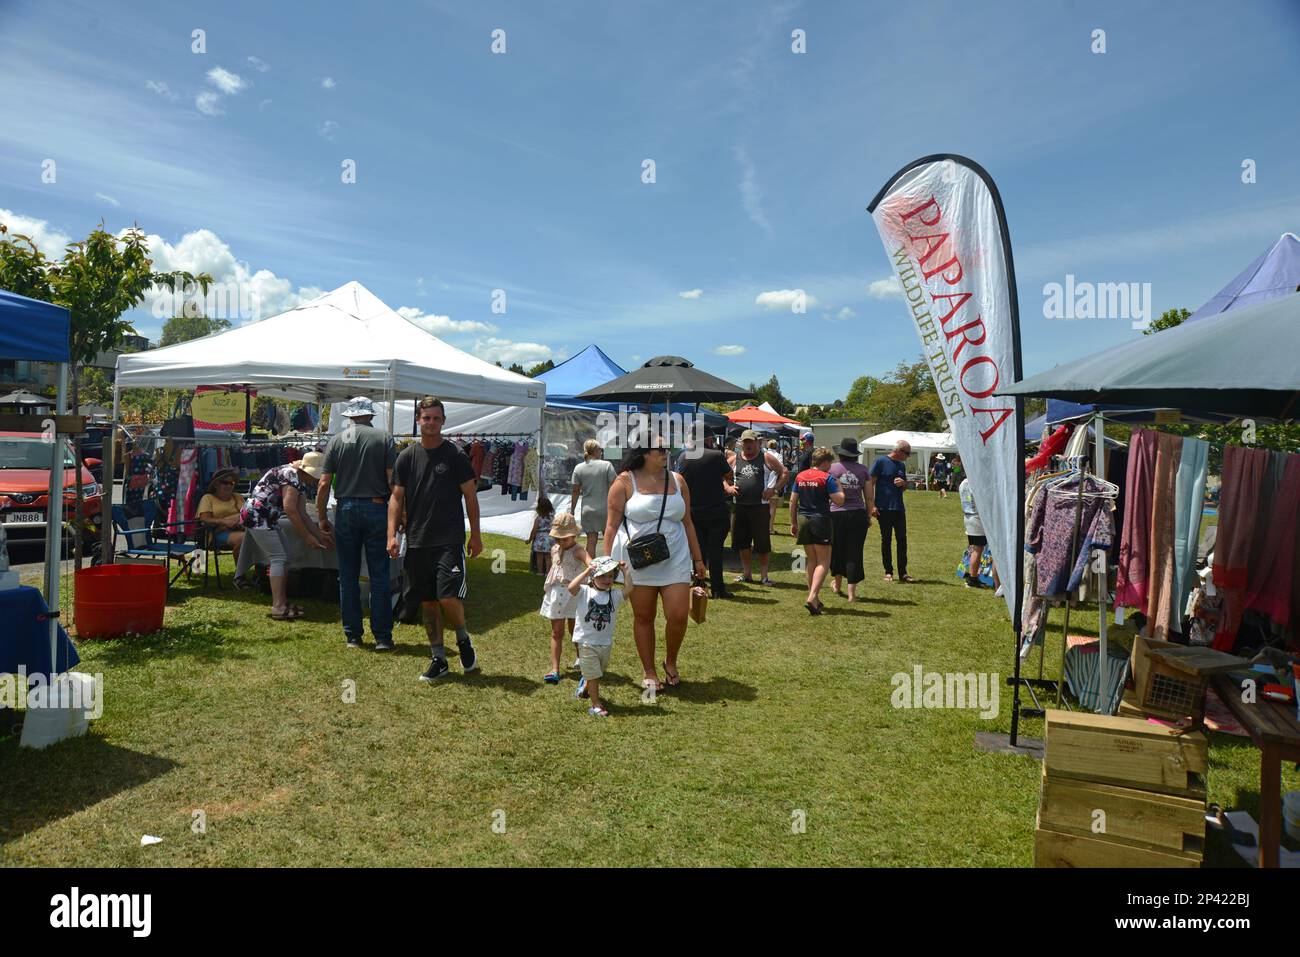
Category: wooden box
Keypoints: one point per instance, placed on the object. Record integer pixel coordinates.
(1168, 822)
(1055, 849)
(1127, 752)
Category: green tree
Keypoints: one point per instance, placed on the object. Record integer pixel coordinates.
(97, 280)
(904, 399)
(538, 369)
(1168, 319)
(184, 328)
(771, 392)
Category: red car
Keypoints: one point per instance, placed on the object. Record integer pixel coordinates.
(25, 489)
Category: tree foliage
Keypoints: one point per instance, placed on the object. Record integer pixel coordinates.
(183, 328)
(904, 399)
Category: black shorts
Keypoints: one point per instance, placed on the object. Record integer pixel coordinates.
(814, 530)
(436, 572)
(750, 528)
(979, 540)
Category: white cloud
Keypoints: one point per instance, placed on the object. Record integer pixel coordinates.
(507, 351)
(889, 288)
(691, 294)
(329, 129)
(49, 241)
(162, 89)
(751, 197)
(108, 199)
(225, 81)
(845, 313)
(203, 251)
(258, 64)
(784, 299)
(263, 105)
(443, 325)
(730, 350)
(328, 83)
(207, 102)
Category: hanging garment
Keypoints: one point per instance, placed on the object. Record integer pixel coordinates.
(501, 453)
(485, 461)
(476, 457)
(1269, 590)
(139, 472)
(1131, 579)
(181, 509)
(1051, 446)
(1099, 535)
(1051, 532)
(517, 464)
(1161, 590)
(1033, 609)
(1189, 494)
(530, 470)
(1243, 473)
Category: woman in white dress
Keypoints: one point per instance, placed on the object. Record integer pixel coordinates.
(635, 501)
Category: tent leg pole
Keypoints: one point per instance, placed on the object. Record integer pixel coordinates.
(106, 493)
(54, 521)
(1103, 698)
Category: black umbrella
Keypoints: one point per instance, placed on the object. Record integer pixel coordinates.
(671, 377)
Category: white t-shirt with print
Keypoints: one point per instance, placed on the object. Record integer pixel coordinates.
(597, 609)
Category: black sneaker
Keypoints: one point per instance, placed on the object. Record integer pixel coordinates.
(468, 659)
(355, 643)
(437, 669)
(384, 645)
(974, 582)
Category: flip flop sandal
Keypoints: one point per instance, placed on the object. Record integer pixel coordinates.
(739, 579)
(647, 683)
(813, 609)
(889, 578)
(674, 679)
(552, 677)
(767, 581)
(597, 712)
(287, 616)
(908, 579)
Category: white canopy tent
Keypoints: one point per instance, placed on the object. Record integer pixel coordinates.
(924, 445)
(345, 343)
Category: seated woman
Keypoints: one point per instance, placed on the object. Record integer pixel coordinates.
(219, 512)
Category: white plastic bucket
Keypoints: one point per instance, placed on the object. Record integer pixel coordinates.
(73, 702)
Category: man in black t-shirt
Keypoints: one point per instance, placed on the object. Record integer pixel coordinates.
(430, 481)
(708, 476)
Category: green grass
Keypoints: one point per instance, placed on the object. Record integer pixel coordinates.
(243, 718)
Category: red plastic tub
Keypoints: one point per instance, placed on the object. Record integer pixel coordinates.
(116, 600)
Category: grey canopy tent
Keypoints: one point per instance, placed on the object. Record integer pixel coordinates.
(1239, 363)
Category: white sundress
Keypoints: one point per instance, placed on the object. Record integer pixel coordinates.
(556, 600)
(642, 513)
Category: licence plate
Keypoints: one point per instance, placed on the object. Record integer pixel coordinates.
(25, 518)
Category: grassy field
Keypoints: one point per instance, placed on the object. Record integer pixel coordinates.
(781, 718)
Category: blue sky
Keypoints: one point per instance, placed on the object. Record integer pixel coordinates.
(523, 171)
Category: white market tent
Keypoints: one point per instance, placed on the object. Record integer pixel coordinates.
(924, 444)
(345, 343)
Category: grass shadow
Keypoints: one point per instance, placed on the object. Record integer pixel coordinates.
(67, 778)
(205, 641)
(712, 691)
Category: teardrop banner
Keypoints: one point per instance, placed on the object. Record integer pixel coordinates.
(945, 233)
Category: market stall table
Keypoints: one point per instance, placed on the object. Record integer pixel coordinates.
(1274, 729)
(27, 642)
(302, 555)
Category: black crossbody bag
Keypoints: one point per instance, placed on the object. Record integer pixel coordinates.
(652, 547)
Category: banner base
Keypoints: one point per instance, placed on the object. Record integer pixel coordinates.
(1001, 744)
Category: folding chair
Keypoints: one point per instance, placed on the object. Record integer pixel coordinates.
(140, 541)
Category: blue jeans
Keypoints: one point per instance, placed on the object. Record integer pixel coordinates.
(360, 523)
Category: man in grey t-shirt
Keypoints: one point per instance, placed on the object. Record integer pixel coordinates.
(360, 460)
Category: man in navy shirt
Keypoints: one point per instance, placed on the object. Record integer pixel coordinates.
(888, 481)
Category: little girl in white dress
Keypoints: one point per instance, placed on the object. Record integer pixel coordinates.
(568, 561)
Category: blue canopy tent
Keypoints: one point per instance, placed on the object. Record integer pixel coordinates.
(1275, 273)
(42, 332)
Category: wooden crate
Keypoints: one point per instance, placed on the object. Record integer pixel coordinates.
(1056, 849)
(1127, 752)
(1168, 822)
